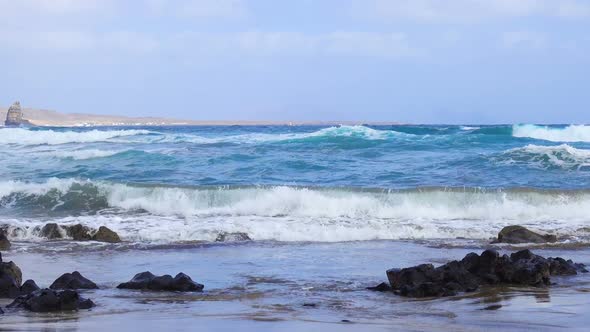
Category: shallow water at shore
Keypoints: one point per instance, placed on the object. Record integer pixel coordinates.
(269, 286)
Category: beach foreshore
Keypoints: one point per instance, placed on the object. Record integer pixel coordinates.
(272, 286)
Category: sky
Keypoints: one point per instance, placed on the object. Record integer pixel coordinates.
(416, 61)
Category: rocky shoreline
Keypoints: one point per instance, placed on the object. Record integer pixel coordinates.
(422, 281)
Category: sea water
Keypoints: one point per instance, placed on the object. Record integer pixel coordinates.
(329, 209)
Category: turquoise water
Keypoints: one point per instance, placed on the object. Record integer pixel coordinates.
(329, 210)
(298, 183)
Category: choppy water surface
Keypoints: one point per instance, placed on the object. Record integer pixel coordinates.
(329, 210)
(300, 183)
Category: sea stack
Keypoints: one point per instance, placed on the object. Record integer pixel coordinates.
(14, 116)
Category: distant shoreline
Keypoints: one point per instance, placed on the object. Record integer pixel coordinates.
(47, 118)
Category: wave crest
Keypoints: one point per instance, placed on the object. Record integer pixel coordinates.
(175, 214)
(572, 133)
(21, 136)
(426, 204)
(561, 156)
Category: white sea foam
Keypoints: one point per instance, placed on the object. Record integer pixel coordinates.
(23, 136)
(562, 156)
(340, 131)
(83, 154)
(469, 128)
(172, 214)
(573, 133)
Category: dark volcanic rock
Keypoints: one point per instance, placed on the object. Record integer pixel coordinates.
(10, 279)
(4, 243)
(382, 287)
(232, 237)
(28, 287)
(104, 234)
(78, 232)
(51, 231)
(73, 280)
(47, 300)
(489, 268)
(148, 281)
(519, 234)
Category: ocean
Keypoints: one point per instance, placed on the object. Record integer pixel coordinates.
(328, 209)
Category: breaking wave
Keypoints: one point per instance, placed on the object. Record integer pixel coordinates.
(163, 213)
(359, 132)
(23, 136)
(561, 156)
(572, 133)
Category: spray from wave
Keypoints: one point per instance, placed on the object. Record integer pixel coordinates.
(572, 133)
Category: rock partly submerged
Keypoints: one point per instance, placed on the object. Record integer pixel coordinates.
(4, 242)
(473, 271)
(519, 234)
(73, 280)
(148, 281)
(232, 237)
(104, 234)
(48, 300)
(10, 279)
(79, 232)
(52, 231)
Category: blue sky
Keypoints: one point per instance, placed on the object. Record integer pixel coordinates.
(421, 61)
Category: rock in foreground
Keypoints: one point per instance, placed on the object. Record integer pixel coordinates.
(519, 234)
(11, 278)
(4, 242)
(73, 280)
(489, 268)
(148, 281)
(47, 300)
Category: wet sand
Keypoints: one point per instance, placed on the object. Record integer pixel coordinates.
(269, 286)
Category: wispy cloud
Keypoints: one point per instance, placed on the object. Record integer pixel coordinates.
(231, 9)
(74, 42)
(470, 10)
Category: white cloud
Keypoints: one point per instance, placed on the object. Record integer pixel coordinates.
(74, 42)
(47, 9)
(470, 10)
(196, 44)
(22, 8)
(213, 8)
(259, 43)
(199, 9)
